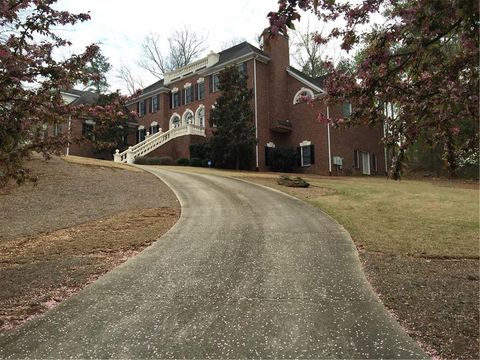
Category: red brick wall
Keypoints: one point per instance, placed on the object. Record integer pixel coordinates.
(177, 148)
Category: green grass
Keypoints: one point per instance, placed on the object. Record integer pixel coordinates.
(408, 217)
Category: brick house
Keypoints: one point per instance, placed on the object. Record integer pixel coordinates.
(175, 111)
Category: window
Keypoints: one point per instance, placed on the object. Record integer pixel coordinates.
(214, 82)
(141, 108)
(307, 153)
(356, 159)
(155, 103)
(188, 117)
(346, 109)
(154, 128)
(303, 95)
(200, 91)
(141, 133)
(188, 95)
(242, 68)
(200, 116)
(175, 99)
(57, 129)
(269, 148)
(374, 163)
(88, 129)
(175, 121)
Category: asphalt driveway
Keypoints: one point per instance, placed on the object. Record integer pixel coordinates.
(246, 273)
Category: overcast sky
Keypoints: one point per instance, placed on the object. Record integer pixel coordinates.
(120, 29)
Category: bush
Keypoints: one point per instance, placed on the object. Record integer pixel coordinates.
(163, 160)
(183, 162)
(195, 161)
(205, 163)
(283, 159)
(201, 151)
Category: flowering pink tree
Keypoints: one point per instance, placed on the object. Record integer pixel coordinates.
(30, 82)
(418, 74)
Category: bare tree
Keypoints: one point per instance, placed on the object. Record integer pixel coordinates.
(184, 46)
(308, 53)
(132, 83)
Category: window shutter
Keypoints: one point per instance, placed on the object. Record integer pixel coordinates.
(245, 68)
(158, 102)
(192, 93)
(267, 157)
(195, 92)
(312, 154)
(210, 83)
(171, 100)
(299, 156)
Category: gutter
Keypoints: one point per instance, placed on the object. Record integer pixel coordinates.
(329, 144)
(256, 108)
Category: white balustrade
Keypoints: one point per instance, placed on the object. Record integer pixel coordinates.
(154, 141)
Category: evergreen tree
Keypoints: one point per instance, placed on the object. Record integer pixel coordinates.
(234, 135)
(98, 67)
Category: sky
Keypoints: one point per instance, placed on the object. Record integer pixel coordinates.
(120, 28)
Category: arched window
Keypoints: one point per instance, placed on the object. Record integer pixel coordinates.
(175, 121)
(200, 116)
(188, 117)
(303, 95)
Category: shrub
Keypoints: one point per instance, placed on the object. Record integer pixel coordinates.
(201, 151)
(195, 161)
(283, 159)
(183, 162)
(163, 160)
(205, 163)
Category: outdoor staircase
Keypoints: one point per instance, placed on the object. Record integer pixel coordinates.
(156, 140)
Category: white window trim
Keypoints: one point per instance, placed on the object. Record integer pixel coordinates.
(170, 122)
(187, 85)
(304, 144)
(270, 145)
(197, 117)
(200, 80)
(151, 103)
(296, 98)
(184, 117)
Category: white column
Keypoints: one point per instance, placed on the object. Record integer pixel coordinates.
(130, 157)
(117, 157)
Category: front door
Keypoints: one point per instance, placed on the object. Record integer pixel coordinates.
(366, 163)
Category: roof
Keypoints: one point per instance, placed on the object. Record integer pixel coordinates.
(318, 81)
(84, 97)
(225, 56)
(237, 51)
(154, 86)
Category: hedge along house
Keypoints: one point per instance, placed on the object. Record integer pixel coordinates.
(175, 112)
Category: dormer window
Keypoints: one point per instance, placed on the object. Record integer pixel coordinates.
(303, 95)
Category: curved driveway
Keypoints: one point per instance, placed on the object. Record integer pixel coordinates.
(246, 272)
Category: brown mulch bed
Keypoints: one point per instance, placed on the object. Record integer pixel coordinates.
(435, 300)
(78, 223)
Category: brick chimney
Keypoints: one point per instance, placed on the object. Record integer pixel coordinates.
(278, 50)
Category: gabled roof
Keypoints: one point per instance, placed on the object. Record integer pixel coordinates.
(154, 86)
(83, 97)
(237, 51)
(317, 83)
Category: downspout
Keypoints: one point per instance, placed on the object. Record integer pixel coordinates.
(256, 116)
(328, 141)
(68, 136)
